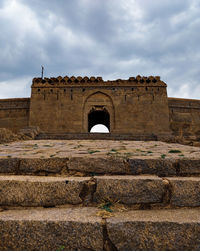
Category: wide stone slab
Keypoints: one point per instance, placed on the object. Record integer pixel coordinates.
(185, 191)
(100, 165)
(51, 229)
(129, 189)
(155, 230)
(40, 191)
(39, 166)
(158, 167)
(189, 167)
(9, 165)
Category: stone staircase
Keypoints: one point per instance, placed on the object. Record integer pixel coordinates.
(100, 203)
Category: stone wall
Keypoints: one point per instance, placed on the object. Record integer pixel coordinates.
(185, 117)
(14, 113)
(136, 106)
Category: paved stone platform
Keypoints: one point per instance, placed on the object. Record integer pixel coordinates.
(96, 148)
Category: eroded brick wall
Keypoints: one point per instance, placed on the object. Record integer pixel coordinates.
(185, 117)
(14, 113)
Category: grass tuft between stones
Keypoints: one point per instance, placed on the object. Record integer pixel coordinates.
(174, 151)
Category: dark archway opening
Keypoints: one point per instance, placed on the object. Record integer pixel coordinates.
(98, 117)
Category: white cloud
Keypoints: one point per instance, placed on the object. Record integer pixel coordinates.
(22, 18)
(16, 88)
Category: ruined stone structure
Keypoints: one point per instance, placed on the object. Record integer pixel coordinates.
(137, 106)
(99, 195)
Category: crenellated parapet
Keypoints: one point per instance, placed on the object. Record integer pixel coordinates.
(66, 81)
(96, 81)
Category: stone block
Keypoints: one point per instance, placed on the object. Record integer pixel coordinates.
(51, 229)
(155, 230)
(9, 165)
(185, 191)
(98, 165)
(40, 191)
(43, 166)
(129, 189)
(152, 166)
(189, 167)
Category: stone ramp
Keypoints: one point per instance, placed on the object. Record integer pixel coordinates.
(34, 191)
(81, 229)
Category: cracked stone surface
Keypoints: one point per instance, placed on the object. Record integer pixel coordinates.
(29, 191)
(80, 229)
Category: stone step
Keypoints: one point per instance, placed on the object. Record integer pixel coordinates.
(149, 190)
(81, 229)
(155, 230)
(34, 191)
(100, 165)
(30, 191)
(97, 136)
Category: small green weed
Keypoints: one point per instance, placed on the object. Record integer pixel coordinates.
(106, 206)
(93, 151)
(174, 151)
(109, 153)
(93, 174)
(181, 155)
(60, 248)
(139, 150)
(113, 150)
(149, 152)
(52, 155)
(47, 145)
(163, 156)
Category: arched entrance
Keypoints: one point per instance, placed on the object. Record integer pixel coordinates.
(98, 109)
(96, 117)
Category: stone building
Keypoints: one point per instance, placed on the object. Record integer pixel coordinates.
(136, 107)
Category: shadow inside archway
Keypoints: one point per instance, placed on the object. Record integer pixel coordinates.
(98, 117)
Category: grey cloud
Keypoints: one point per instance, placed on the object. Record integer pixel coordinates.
(115, 39)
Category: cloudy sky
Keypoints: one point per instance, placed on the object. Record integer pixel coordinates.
(108, 38)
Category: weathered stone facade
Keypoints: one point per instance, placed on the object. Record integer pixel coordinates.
(137, 106)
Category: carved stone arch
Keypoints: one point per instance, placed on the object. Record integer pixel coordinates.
(102, 104)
